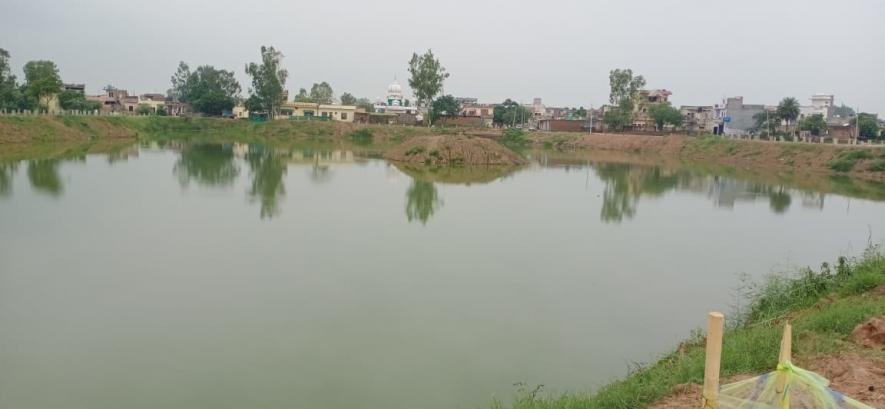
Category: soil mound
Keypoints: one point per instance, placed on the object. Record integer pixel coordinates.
(444, 150)
(871, 333)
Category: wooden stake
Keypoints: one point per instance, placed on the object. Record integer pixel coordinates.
(785, 355)
(715, 324)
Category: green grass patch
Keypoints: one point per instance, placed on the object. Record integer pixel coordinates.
(362, 136)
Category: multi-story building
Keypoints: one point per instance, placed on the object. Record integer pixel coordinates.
(646, 98)
(738, 118)
(820, 104)
(704, 118)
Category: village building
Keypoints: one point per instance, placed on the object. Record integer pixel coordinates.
(485, 112)
(820, 104)
(310, 110)
(738, 117)
(563, 125)
(153, 101)
(700, 119)
(395, 103)
(645, 99)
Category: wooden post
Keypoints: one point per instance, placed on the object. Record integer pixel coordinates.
(715, 324)
(785, 355)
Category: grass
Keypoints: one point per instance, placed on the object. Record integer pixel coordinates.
(362, 136)
(514, 137)
(824, 305)
(846, 160)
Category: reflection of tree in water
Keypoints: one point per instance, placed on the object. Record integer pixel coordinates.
(624, 184)
(6, 172)
(422, 200)
(209, 164)
(268, 170)
(44, 176)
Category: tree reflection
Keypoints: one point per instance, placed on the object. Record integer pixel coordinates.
(44, 176)
(6, 172)
(209, 164)
(779, 201)
(624, 184)
(268, 170)
(422, 200)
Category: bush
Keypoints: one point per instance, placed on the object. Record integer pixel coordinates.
(514, 137)
(847, 159)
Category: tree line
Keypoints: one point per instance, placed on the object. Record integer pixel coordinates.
(42, 82)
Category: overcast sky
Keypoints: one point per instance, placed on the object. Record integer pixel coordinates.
(559, 50)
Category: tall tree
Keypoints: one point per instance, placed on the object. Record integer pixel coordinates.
(868, 125)
(209, 90)
(788, 110)
(427, 76)
(843, 111)
(664, 114)
(620, 116)
(624, 85)
(766, 121)
(816, 124)
(365, 104)
(41, 80)
(268, 80)
(321, 93)
(75, 100)
(510, 113)
(444, 106)
(9, 93)
(180, 82)
(348, 99)
(302, 96)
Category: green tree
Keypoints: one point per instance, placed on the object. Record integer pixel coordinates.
(580, 113)
(44, 176)
(9, 92)
(620, 116)
(868, 124)
(321, 93)
(365, 104)
(143, 109)
(511, 113)
(302, 96)
(427, 76)
(843, 111)
(816, 124)
(444, 106)
(41, 80)
(624, 85)
(180, 83)
(766, 121)
(348, 99)
(209, 90)
(268, 80)
(664, 114)
(788, 110)
(76, 101)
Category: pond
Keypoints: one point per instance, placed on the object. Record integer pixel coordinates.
(244, 276)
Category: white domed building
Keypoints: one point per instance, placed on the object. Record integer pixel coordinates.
(395, 103)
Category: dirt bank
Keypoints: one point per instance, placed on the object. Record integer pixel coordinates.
(445, 150)
(55, 129)
(866, 162)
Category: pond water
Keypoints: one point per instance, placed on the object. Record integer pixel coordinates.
(240, 276)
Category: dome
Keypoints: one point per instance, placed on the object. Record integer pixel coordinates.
(394, 88)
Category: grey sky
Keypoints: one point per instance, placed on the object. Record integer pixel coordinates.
(560, 50)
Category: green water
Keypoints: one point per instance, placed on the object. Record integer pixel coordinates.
(236, 276)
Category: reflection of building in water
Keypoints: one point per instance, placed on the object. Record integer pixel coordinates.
(812, 200)
(726, 192)
(322, 157)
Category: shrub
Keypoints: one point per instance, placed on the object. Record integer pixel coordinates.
(514, 137)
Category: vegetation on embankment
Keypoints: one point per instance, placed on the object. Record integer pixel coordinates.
(455, 150)
(43, 129)
(824, 306)
(866, 162)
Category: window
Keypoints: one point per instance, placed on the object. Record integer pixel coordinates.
(130, 108)
(344, 115)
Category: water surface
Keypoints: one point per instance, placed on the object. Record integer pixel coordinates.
(235, 276)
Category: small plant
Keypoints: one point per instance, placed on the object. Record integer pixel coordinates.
(514, 137)
(846, 160)
(878, 165)
(362, 136)
(415, 150)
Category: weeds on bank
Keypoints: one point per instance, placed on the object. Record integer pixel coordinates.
(846, 160)
(824, 305)
(362, 136)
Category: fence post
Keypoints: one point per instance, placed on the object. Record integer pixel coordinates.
(715, 324)
(785, 356)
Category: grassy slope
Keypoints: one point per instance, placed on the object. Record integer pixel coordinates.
(824, 307)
